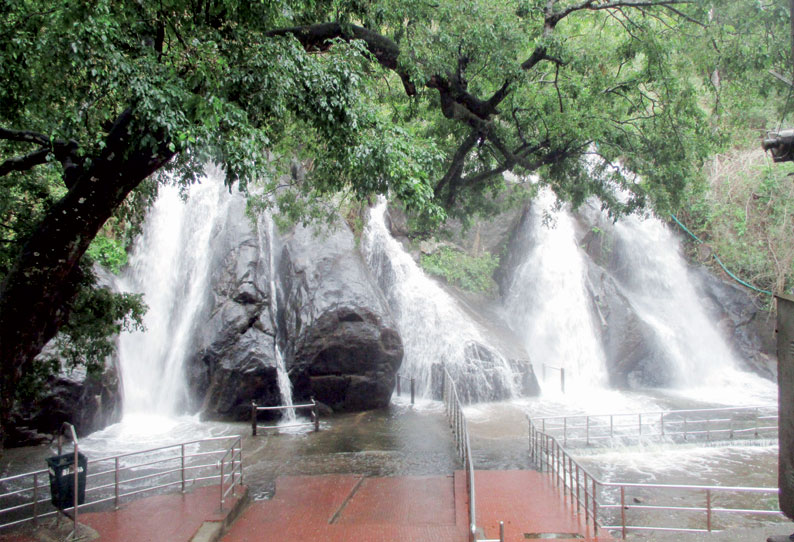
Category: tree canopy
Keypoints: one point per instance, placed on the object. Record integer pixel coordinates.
(430, 101)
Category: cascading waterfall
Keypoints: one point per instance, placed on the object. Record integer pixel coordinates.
(433, 328)
(268, 244)
(548, 304)
(660, 288)
(170, 265)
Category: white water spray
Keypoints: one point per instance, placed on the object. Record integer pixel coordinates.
(549, 306)
(664, 294)
(170, 265)
(433, 328)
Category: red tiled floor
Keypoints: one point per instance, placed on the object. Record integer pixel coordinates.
(407, 509)
(527, 502)
(173, 517)
(417, 500)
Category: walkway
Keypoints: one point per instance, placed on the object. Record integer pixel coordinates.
(337, 508)
(341, 508)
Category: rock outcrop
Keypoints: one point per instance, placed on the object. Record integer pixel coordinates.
(342, 346)
(89, 402)
(327, 322)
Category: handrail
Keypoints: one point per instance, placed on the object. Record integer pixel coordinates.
(727, 422)
(26, 502)
(582, 487)
(460, 431)
(315, 416)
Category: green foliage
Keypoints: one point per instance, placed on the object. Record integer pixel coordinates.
(471, 273)
(743, 211)
(108, 252)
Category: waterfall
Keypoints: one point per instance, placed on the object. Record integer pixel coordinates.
(170, 265)
(434, 329)
(664, 294)
(548, 303)
(268, 245)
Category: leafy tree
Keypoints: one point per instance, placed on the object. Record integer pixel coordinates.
(431, 101)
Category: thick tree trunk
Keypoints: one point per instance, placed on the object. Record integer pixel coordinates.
(35, 294)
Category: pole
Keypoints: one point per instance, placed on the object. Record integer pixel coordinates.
(399, 377)
(562, 380)
(413, 389)
(75, 468)
(183, 467)
(623, 510)
(708, 509)
(253, 418)
(316, 414)
(116, 485)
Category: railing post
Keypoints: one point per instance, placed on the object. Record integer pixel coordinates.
(586, 500)
(35, 498)
(708, 510)
(253, 418)
(578, 497)
(562, 379)
(623, 510)
(413, 389)
(399, 377)
(76, 469)
(182, 447)
(595, 508)
(221, 484)
(116, 485)
(501, 531)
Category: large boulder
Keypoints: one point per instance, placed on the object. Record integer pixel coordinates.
(88, 401)
(342, 346)
(234, 363)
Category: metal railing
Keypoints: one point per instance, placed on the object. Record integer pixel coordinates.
(315, 416)
(607, 504)
(460, 431)
(25, 497)
(412, 383)
(710, 424)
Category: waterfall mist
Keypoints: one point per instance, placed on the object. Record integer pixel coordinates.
(433, 327)
(170, 265)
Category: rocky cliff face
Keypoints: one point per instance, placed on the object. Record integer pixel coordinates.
(330, 324)
(342, 344)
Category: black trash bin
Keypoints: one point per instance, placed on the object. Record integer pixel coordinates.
(62, 479)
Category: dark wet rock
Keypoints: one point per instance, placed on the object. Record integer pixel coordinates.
(234, 363)
(517, 246)
(342, 346)
(89, 402)
(744, 319)
(633, 356)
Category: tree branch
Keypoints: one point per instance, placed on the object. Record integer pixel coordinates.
(24, 163)
(595, 5)
(24, 136)
(317, 36)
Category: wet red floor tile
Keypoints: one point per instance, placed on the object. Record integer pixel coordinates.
(528, 503)
(172, 517)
